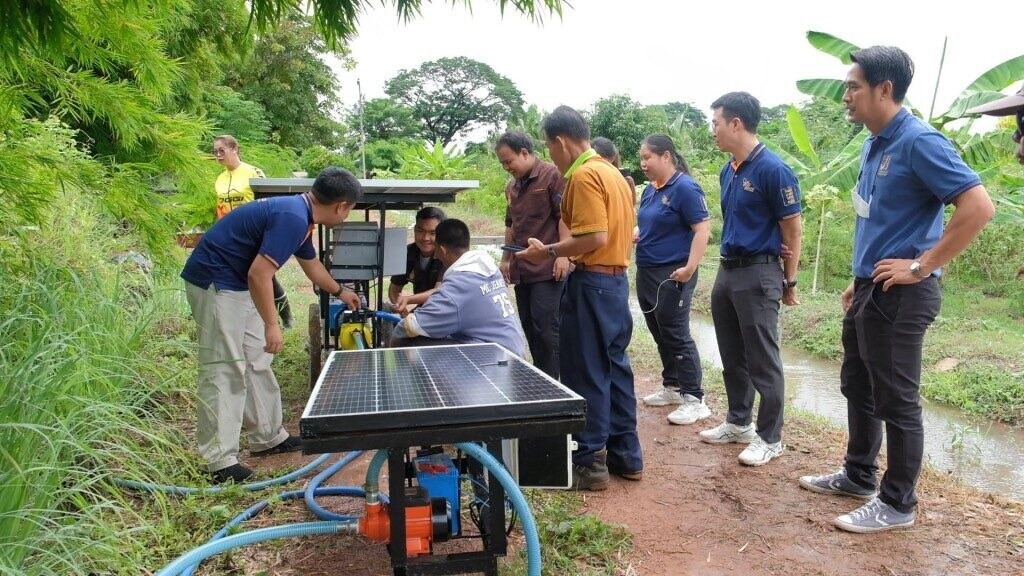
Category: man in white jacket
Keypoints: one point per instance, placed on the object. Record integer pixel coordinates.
(472, 304)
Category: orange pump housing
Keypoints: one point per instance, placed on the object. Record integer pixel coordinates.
(376, 525)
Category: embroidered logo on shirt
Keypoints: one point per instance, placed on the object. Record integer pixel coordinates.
(788, 196)
(664, 199)
(883, 168)
(748, 185)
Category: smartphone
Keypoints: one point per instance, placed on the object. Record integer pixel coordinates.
(512, 248)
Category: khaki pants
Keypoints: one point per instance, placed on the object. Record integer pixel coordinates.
(237, 387)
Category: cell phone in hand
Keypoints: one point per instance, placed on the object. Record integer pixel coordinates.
(513, 248)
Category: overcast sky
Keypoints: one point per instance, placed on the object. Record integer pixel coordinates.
(659, 51)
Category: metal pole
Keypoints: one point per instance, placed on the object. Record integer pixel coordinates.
(362, 130)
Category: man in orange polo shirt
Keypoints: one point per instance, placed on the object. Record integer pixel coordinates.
(596, 324)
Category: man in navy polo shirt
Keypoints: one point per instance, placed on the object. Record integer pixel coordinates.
(909, 173)
(229, 286)
(760, 212)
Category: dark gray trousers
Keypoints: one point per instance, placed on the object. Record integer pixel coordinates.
(883, 335)
(538, 305)
(666, 308)
(745, 308)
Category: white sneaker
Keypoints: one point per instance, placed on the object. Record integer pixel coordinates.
(760, 452)
(725, 433)
(693, 409)
(663, 397)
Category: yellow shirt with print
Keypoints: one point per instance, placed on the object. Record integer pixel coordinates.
(598, 199)
(233, 188)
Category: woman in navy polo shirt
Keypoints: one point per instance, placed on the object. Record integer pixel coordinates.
(671, 236)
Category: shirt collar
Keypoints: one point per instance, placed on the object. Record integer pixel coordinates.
(894, 124)
(587, 155)
(750, 157)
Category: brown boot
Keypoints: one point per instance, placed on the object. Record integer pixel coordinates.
(634, 475)
(593, 478)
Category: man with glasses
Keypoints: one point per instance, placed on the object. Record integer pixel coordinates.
(423, 269)
(233, 190)
(909, 173)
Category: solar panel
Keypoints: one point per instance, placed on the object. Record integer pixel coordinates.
(386, 388)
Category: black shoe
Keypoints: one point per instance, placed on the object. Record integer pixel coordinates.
(235, 472)
(289, 444)
(284, 310)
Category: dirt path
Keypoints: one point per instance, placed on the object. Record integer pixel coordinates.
(699, 512)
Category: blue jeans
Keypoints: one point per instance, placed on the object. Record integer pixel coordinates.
(596, 327)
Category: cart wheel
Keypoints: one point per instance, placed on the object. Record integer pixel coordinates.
(315, 344)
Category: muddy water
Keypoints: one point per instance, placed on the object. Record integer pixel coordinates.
(984, 454)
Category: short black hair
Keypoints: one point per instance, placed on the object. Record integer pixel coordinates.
(605, 148)
(516, 142)
(430, 213)
(565, 121)
(740, 105)
(335, 185)
(452, 233)
(881, 63)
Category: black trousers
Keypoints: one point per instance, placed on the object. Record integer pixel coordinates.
(538, 305)
(666, 308)
(745, 308)
(883, 335)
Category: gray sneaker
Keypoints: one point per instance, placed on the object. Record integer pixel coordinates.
(837, 483)
(875, 516)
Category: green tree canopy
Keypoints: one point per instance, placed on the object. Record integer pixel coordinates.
(626, 122)
(384, 119)
(692, 116)
(285, 73)
(452, 96)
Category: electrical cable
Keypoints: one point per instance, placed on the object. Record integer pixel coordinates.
(657, 296)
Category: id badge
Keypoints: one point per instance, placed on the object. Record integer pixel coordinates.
(861, 206)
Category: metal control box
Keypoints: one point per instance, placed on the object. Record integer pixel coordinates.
(355, 251)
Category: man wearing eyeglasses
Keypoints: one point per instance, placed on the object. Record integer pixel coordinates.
(422, 268)
(233, 190)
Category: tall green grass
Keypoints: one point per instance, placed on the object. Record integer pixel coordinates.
(89, 358)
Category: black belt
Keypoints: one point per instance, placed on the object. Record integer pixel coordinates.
(730, 262)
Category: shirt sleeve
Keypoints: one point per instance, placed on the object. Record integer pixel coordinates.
(589, 212)
(934, 160)
(690, 202)
(438, 317)
(286, 236)
(556, 188)
(306, 251)
(782, 192)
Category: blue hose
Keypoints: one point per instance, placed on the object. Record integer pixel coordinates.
(252, 487)
(258, 507)
(373, 471)
(514, 494)
(311, 488)
(252, 537)
(393, 318)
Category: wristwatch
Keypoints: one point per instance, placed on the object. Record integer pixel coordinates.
(915, 268)
(341, 289)
(551, 252)
(787, 284)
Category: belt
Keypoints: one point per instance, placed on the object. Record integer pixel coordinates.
(599, 269)
(730, 262)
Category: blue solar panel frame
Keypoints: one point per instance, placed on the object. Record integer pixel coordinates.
(401, 388)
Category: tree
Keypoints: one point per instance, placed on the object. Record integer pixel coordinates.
(626, 122)
(285, 73)
(452, 96)
(692, 116)
(383, 119)
(48, 24)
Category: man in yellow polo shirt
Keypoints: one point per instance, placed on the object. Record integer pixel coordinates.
(233, 190)
(596, 324)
